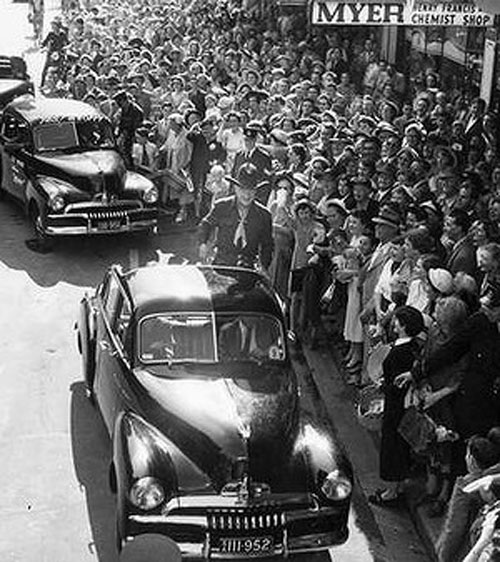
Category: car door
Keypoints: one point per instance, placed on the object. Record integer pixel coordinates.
(111, 360)
(15, 139)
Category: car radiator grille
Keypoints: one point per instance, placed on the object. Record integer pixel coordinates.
(259, 518)
(100, 212)
(103, 215)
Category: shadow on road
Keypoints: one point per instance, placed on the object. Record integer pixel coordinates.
(91, 457)
(82, 261)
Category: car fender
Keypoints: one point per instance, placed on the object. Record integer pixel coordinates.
(137, 182)
(139, 450)
(322, 452)
(35, 195)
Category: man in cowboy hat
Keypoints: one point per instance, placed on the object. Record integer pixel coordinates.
(243, 226)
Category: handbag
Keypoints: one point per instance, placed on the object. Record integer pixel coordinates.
(417, 429)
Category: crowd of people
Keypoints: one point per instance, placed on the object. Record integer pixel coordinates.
(369, 200)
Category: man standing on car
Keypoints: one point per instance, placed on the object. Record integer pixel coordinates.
(243, 226)
(131, 117)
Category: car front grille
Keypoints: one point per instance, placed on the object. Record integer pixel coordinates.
(105, 215)
(103, 211)
(247, 519)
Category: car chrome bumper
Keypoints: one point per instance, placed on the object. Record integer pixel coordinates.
(74, 224)
(192, 535)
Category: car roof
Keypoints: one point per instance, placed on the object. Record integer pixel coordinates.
(53, 110)
(183, 288)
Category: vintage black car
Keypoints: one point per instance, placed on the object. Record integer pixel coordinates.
(59, 160)
(190, 369)
(14, 79)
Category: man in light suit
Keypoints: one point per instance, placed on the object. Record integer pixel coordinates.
(387, 225)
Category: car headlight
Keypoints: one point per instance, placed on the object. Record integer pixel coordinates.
(56, 202)
(147, 493)
(58, 191)
(151, 195)
(336, 487)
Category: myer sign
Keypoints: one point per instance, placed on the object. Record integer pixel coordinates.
(411, 12)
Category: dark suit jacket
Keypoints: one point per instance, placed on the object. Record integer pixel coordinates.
(476, 404)
(462, 258)
(224, 217)
(259, 157)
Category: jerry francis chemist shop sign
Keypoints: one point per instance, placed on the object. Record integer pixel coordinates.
(411, 12)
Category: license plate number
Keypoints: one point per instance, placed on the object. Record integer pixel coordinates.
(113, 224)
(246, 545)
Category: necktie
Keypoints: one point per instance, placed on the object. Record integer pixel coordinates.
(145, 157)
(240, 235)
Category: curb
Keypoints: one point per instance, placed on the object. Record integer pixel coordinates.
(334, 392)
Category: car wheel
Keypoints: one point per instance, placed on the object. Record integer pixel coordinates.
(86, 347)
(118, 538)
(42, 242)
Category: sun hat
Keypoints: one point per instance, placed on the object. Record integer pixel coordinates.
(441, 280)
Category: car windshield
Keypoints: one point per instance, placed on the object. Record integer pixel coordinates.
(188, 337)
(73, 135)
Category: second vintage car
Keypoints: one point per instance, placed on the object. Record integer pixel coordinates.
(14, 79)
(190, 369)
(59, 160)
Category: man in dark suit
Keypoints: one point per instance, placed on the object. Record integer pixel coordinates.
(206, 152)
(461, 256)
(243, 226)
(131, 117)
(256, 155)
(474, 121)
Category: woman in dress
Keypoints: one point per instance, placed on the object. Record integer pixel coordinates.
(280, 205)
(408, 323)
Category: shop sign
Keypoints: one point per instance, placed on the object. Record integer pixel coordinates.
(398, 12)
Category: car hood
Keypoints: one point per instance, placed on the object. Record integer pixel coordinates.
(217, 422)
(86, 169)
(11, 88)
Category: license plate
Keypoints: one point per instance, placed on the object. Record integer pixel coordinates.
(113, 224)
(250, 546)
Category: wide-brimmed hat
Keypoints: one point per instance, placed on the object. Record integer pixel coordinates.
(304, 202)
(247, 176)
(388, 216)
(338, 204)
(441, 280)
(301, 180)
(259, 94)
(253, 128)
(387, 129)
(279, 136)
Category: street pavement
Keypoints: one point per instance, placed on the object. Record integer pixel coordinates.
(56, 503)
